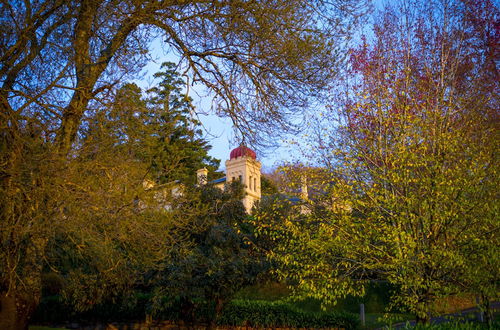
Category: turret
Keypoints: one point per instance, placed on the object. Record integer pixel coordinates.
(244, 166)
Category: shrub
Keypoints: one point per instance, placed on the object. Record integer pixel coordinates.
(258, 313)
(52, 309)
(255, 313)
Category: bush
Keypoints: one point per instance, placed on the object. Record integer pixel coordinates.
(175, 309)
(52, 284)
(257, 313)
(52, 309)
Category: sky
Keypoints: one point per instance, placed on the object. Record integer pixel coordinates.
(218, 131)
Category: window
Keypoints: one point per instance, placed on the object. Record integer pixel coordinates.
(250, 182)
(255, 184)
(240, 178)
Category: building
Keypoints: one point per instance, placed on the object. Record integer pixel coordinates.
(243, 166)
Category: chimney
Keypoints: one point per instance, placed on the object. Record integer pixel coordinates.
(201, 176)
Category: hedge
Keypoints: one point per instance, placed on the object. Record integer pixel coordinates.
(260, 313)
(52, 309)
(254, 313)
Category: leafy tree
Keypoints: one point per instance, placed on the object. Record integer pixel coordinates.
(66, 53)
(303, 242)
(412, 165)
(268, 187)
(179, 134)
(137, 129)
(59, 58)
(221, 258)
(105, 222)
(160, 130)
(422, 149)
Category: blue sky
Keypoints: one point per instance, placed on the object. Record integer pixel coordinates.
(218, 131)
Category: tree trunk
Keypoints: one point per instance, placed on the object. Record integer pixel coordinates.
(187, 310)
(488, 314)
(15, 311)
(219, 305)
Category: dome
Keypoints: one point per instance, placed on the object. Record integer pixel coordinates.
(242, 151)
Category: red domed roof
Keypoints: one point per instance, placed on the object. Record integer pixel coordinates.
(242, 151)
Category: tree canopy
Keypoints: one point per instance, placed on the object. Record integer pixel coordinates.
(99, 228)
(412, 164)
(221, 259)
(59, 56)
(61, 60)
(159, 128)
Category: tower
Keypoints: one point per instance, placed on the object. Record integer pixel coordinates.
(244, 166)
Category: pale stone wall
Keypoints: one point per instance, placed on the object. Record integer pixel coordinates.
(246, 169)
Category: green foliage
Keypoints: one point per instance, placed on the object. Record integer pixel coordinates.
(106, 227)
(268, 218)
(304, 247)
(171, 117)
(124, 229)
(160, 129)
(269, 291)
(220, 258)
(60, 62)
(133, 307)
(256, 313)
(253, 313)
(268, 187)
(408, 194)
(377, 299)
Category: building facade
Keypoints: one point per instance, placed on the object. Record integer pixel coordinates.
(242, 165)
